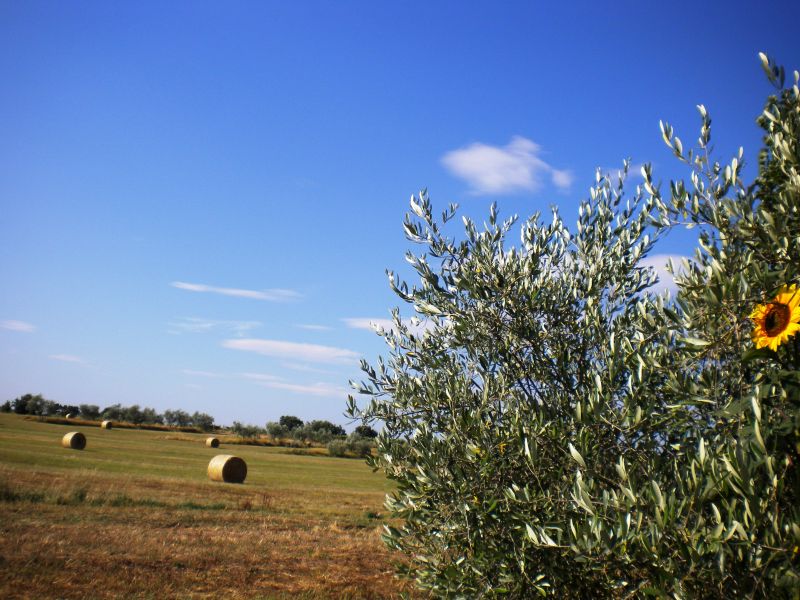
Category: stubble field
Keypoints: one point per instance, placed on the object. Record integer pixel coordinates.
(134, 515)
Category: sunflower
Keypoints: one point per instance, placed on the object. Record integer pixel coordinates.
(776, 321)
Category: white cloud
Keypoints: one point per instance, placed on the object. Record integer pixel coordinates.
(372, 323)
(314, 389)
(516, 167)
(198, 325)
(260, 377)
(71, 358)
(368, 323)
(209, 374)
(292, 350)
(313, 327)
(305, 368)
(659, 263)
(562, 179)
(273, 295)
(22, 326)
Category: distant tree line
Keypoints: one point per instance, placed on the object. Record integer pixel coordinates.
(359, 443)
(35, 404)
(316, 431)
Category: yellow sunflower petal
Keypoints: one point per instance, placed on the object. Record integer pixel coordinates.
(788, 295)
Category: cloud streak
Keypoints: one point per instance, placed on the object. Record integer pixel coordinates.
(372, 323)
(266, 380)
(513, 168)
(314, 353)
(314, 389)
(198, 325)
(209, 374)
(13, 325)
(271, 295)
(70, 358)
(311, 327)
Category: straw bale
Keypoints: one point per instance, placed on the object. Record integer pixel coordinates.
(212, 442)
(75, 440)
(227, 468)
(70, 416)
(106, 424)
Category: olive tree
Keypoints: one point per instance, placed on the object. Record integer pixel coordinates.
(555, 426)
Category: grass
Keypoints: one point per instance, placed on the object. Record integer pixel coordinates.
(134, 515)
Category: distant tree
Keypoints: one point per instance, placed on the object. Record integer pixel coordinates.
(319, 431)
(177, 418)
(290, 422)
(133, 414)
(150, 415)
(89, 411)
(276, 430)
(6, 407)
(20, 405)
(67, 409)
(245, 431)
(35, 405)
(49, 408)
(365, 431)
(203, 421)
(115, 412)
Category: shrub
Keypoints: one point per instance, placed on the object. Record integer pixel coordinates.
(360, 446)
(276, 430)
(558, 428)
(245, 431)
(337, 448)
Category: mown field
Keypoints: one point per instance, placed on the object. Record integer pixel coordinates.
(134, 515)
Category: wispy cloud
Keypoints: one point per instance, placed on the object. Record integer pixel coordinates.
(659, 263)
(199, 325)
(304, 368)
(13, 325)
(209, 374)
(272, 295)
(314, 389)
(268, 380)
(260, 377)
(314, 353)
(70, 358)
(373, 323)
(515, 167)
(313, 327)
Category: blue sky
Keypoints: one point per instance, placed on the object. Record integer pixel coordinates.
(199, 199)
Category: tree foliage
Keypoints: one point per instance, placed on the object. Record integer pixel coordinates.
(559, 428)
(290, 422)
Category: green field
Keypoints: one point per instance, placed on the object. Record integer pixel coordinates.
(135, 515)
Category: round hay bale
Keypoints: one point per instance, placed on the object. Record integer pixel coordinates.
(212, 442)
(75, 440)
(70, 416)
(227, 468)
(106, 424)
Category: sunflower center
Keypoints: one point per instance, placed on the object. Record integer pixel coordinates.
(776, 319)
